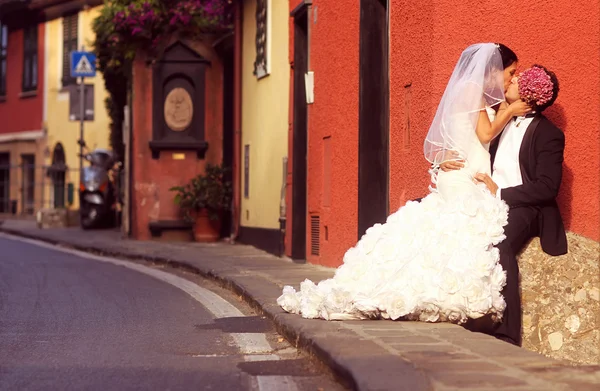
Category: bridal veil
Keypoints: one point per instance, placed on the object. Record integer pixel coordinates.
(477, 82)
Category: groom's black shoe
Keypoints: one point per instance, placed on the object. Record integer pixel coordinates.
(484, 325)
(507, 339)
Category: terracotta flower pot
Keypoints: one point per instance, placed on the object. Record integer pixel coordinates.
(205, 229)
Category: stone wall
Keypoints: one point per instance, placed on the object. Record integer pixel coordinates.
(57, 218)
(561, 301)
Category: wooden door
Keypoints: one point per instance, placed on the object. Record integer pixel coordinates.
(373, 143)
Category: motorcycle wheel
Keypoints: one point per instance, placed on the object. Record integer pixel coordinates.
(90, 218)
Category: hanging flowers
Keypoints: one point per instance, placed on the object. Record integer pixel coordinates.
(143, 23)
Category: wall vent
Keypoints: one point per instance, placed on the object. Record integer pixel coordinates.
(315, 235)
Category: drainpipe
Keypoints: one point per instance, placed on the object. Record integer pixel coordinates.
(237, 120)
(283, 209)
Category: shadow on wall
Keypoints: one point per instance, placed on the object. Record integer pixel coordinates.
(557, 115)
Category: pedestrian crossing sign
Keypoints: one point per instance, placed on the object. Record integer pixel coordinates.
(83, 64)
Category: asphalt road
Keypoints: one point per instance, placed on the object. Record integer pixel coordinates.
(68, 322)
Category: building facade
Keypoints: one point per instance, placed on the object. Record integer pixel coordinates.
(380, 68)
(172, 142)
(22, 111)
(38, 135)
(265, 121)
(70, 32)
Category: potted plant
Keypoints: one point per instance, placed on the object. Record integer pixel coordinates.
(203, 200)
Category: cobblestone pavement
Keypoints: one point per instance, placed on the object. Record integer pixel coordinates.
(368, 355)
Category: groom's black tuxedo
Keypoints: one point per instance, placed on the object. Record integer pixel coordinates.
(533, 211)
(540, 159)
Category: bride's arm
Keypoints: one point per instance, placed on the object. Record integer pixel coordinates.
(486, 130)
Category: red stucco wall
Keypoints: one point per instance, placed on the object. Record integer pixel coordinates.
(18, 114)
(151, 198)
(334, 113)
(426, 39)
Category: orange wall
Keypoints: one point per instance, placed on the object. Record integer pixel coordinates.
(426, 39)
(18, 114)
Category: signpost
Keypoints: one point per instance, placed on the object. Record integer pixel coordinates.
(83, 64)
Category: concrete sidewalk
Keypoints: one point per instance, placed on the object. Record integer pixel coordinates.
(368, 355)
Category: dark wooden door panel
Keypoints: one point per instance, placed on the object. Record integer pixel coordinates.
(373, 143)
(300, 137)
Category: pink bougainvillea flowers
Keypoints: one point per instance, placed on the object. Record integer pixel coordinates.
(535, 86)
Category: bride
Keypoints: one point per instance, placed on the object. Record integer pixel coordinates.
(433, 260)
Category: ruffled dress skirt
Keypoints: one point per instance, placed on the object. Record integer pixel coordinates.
(431, 261)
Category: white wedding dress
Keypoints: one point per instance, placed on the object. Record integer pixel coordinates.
(432, 260)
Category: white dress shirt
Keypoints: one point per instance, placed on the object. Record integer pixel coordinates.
(506, 171)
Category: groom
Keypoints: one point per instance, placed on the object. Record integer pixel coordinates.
(526, 159)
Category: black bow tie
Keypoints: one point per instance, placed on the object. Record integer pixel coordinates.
(530, 115)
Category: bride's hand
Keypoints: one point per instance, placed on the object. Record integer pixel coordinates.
(519, 108)
(487, 180)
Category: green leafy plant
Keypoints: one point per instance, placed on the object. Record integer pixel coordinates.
(209, 191)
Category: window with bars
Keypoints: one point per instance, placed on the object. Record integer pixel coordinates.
(260, 63)
(3, 51)
(69, 45)
(30, 58)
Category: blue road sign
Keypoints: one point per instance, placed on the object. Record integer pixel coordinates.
(83, 64)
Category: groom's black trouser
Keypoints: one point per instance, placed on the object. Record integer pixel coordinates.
(522, 226)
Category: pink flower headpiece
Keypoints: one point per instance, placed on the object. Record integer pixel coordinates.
(535, 86)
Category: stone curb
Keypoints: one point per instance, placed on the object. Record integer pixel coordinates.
(332, 345)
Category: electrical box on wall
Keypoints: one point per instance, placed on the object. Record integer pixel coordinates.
(309, 84)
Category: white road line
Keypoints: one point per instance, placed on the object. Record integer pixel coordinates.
(261, 357)
(248, 358)
(276, 383)
(253, 345)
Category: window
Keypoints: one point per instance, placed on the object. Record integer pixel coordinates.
(28, 184)
(261, 63)
(247, 171)
(3, 48)
(69, 45)
(30, 58)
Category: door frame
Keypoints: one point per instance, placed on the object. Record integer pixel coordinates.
(5, 204)
(300, 133)
(27, 189)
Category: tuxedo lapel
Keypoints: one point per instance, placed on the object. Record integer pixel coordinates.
(493, 149)
(526, 153)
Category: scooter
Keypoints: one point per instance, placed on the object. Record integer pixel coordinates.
(96, 189)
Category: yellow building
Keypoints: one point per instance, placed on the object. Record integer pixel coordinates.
(64, 35)
(265, 121)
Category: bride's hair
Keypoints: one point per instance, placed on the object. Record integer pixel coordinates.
(508, 56)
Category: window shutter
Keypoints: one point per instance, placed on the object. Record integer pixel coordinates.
(70, 27)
